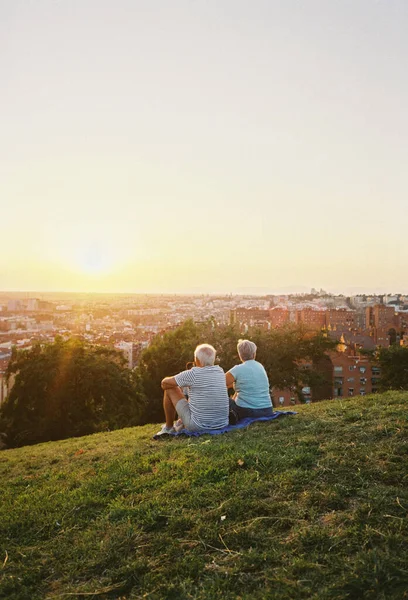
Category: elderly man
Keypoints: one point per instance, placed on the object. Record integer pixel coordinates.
(208, 404)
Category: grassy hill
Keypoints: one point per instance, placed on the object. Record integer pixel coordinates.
(310, 506)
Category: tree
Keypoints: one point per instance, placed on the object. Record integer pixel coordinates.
(295, 357)
(71, 388)
(68, 388)
(393, 363)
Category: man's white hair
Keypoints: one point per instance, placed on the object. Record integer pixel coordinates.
(246, 350)
(205, 354)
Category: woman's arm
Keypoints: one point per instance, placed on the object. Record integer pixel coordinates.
(229, 379)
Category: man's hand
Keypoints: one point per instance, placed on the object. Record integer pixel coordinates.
(168, 382)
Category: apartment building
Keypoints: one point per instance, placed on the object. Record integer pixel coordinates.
(353, 375)
(380, 316)
(248, 316)
(340, 318)
(348, 374)
(278, 317)
(4, 360)
(384, 325)
(286, 397)
(376, 325)
(312, 319)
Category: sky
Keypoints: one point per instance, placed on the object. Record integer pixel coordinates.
(220, 146)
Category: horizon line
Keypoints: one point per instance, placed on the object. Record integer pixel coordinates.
(253, 292)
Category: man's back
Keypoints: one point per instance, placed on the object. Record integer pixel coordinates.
(208, 396)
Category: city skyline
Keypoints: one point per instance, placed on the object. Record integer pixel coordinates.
(130, 322)
(194, 147)
(387, 296)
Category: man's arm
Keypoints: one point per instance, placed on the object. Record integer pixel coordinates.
(168, 382)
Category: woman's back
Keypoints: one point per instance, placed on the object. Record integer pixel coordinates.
(251, 385)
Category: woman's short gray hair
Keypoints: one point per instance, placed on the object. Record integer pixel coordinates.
(246, 350)
(205, 354)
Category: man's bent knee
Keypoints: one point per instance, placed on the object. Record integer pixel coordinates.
(175, 394)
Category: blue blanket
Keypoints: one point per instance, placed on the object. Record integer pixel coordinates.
(240, 425)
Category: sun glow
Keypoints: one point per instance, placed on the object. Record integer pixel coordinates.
(97, 256)
(94, 261)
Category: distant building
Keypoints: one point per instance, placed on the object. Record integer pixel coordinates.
(44, 305)
(311, 319)
(360, 318)
(347, 373)
(283, 397)
(127, 350)
(380, 315)
(46, 325)
(138, 348)
(385, 325)
(14, 305)
(354, 339)
(353, 375)
(5, 325)
(249, 316)
(5, 356)
(33, 304)
(389, 298)
(278, 317)
(340, 318)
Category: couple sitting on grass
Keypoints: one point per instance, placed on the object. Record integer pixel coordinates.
(205, 385)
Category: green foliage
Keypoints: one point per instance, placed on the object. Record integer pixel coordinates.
(70, 388)
(284, 352)
(67, 389)
(281, 351)
(312, 506)
(393, 363)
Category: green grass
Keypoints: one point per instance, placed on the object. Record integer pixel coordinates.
(310, 506)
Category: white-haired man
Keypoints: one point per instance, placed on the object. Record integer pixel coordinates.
(208, 404)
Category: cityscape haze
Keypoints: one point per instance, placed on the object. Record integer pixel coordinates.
(129, 323)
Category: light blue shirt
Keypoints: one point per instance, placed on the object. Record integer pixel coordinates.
(251, 385)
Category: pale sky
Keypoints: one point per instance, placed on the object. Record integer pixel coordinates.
(204, 145)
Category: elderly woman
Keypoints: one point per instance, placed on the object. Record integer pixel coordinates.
(251, 384)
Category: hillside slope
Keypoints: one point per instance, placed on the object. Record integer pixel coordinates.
(309, 506)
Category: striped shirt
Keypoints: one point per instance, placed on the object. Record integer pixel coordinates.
(208, 396)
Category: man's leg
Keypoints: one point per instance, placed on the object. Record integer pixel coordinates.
(170, 399)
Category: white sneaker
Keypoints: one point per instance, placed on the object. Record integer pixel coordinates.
(178, 426)
(165, 430)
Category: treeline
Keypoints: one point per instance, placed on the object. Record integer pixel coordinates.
(66, 389)
(72, 388)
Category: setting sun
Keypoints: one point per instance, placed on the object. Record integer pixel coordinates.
(93, 261)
